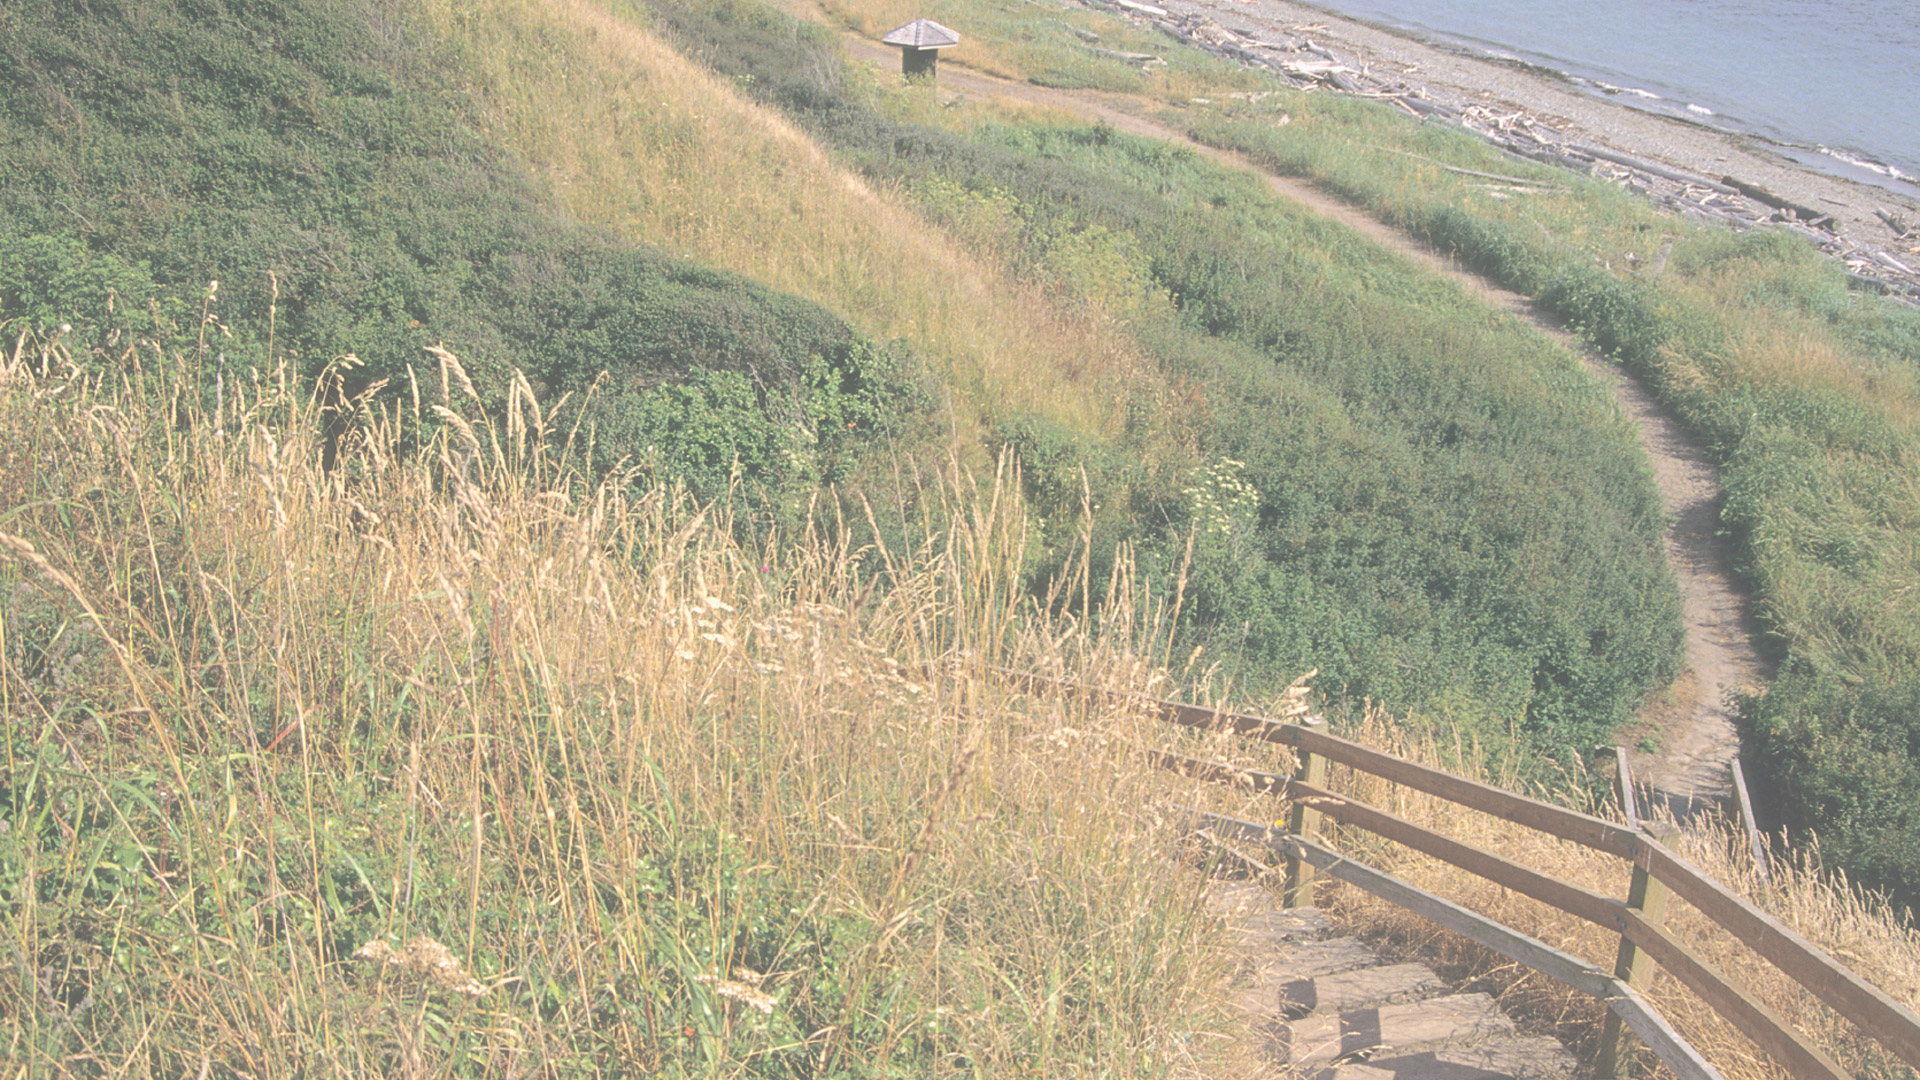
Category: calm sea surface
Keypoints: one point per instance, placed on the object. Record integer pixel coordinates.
(1835, 82)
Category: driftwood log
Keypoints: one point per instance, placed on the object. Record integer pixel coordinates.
(1762, 195)
(1129, 57)
(1660, 171)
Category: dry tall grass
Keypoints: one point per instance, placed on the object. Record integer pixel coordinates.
(440, 761)
(647, 143)
(436, 759)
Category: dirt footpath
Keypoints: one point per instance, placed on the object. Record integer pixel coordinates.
(1691, 723)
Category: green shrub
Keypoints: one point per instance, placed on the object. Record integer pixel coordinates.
(1813, 445)
(322, 159)
(1449, 517)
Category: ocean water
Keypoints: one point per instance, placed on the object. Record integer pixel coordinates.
(1834, 83)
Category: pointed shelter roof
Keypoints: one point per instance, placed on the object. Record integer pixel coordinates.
(922, 34)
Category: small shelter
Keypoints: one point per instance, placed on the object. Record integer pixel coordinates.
(920, 42)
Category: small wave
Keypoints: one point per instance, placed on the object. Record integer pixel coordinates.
(1699, 110)
(1634, 90)
(1864, 163)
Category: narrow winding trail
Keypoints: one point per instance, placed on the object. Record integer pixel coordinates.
(1691, 723)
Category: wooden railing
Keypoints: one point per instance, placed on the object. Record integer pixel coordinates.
(1637, 919)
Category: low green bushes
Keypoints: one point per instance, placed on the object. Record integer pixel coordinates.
(319, 164)
(1368, 473)
(1805, 393)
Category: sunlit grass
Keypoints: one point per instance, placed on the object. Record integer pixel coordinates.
(644, 142)
(441, 760)
(1052, 45)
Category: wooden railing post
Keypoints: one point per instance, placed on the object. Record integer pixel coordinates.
(1743, 806)
(1647, 897)
(1623, 788)
(1303, 821)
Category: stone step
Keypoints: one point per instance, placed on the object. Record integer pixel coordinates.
(1326, 1007)
(1365, 987)
(1253, 912)
(1266, 975)
(1524, 1057)
(1395, 1031)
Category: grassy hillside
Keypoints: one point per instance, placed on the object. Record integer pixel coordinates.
(647, 146)
(1393, 484)
(1807, 393)
(451, 762)
(316, 183)
(380, 711)
(538, 184)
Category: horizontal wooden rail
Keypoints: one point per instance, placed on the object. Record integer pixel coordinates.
(1568, 970)
(1866, 1005)
(1583, 829)
(1573, 899)
(1871, 1009)
(1768, 1030)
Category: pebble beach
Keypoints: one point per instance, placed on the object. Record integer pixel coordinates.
(1691, 168)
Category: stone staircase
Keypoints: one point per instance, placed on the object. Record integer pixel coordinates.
(1324, 1007)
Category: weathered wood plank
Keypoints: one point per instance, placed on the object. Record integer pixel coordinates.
(1762, 1025)
(1743, 803)
(1866, 1005)
(1583, 829)
(1561, 967)
(1570, 898)
(1623, 784)
(1647, 902)
(1304, 822)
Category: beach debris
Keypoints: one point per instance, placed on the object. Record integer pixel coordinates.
(1891, 263)
(1309, 64)
(1762, 195)
(1083, 35)
(1664, 173)
(1143, 59)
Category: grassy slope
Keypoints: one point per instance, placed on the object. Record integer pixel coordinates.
(270, 712)
(1390, 472)
(321, 166)
(525, 224)
(1808, 394)
(648, 145)
(263, 713)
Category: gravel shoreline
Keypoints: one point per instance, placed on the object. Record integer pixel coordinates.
(1688, 168)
